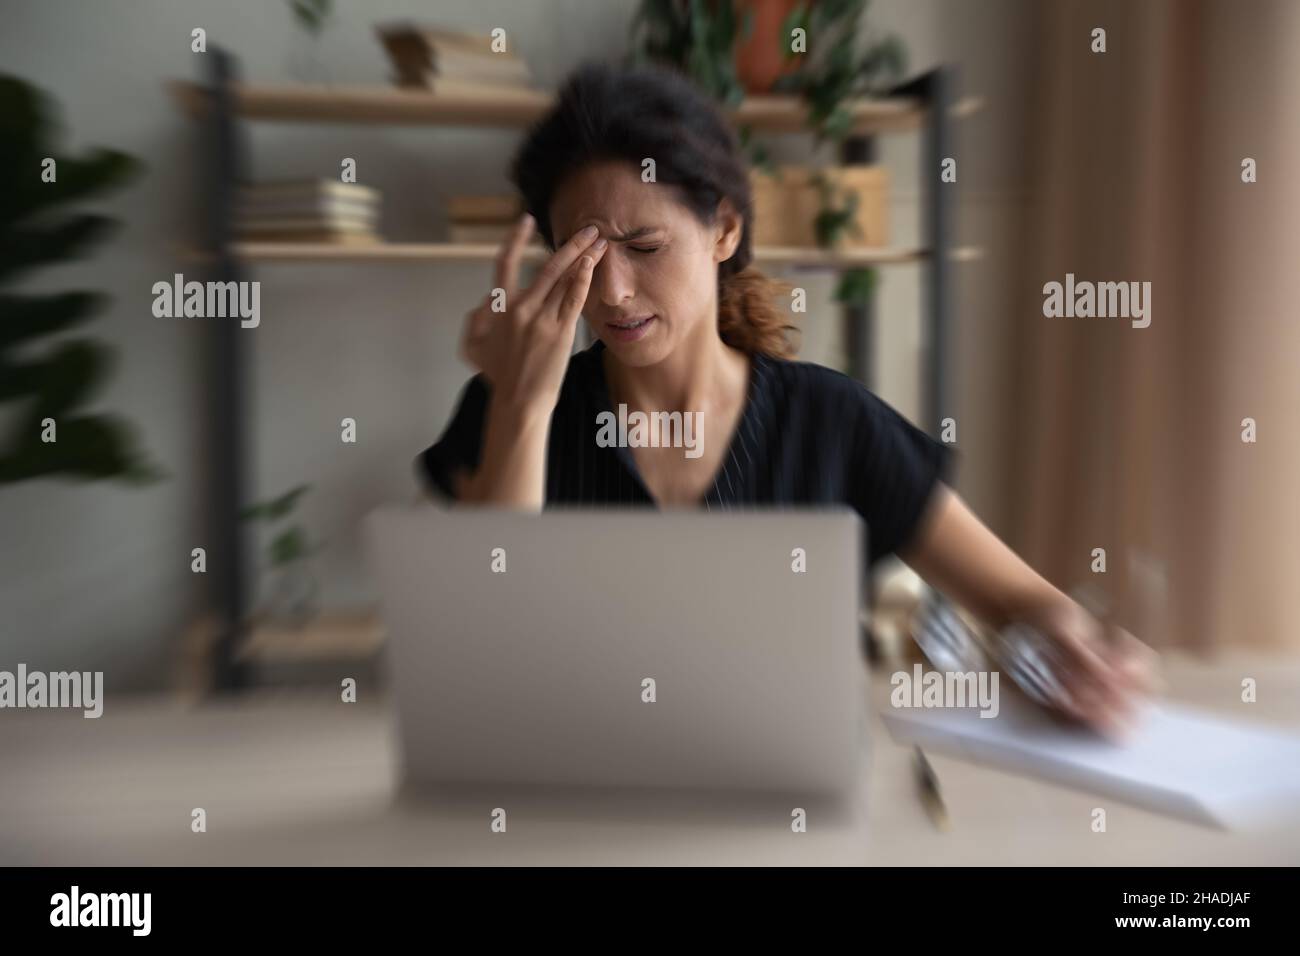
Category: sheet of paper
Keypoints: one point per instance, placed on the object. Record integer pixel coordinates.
(1179, 761)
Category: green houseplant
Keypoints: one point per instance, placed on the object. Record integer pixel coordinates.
(293, 590)
(49, 431)
(841, 63)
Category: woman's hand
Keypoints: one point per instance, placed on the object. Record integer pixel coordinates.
(523, 351)
(1107, 673)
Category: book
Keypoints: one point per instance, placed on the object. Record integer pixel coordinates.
(306, 188)
(307, 223)
(306, 237)
(321, 206)
(496, 208)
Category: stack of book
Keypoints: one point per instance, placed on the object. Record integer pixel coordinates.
(312, 210)
(450, 62)
(482, 218)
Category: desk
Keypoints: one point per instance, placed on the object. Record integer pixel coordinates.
(287, 778)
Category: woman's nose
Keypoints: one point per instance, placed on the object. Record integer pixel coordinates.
(612, 279)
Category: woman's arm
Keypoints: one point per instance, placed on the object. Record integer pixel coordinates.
(523, 353)
(512, 470)
(957, 554)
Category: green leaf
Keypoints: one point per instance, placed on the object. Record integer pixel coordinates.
(839, 124)
(856, 287)
(26, 117)
(29, 317)
(833, 221)
(311, 14)
(28, 128)
(828, 226)
(288, 545)
(894, 57)
(276, 508)
(75, 179)
(796, 18)
(89, 448)
(792, 83)
(24, 248)
(747, 24)
(68, 376)
(761, 160)
(724, 27)
(283, 505)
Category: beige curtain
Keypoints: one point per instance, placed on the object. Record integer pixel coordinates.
(1131, 439)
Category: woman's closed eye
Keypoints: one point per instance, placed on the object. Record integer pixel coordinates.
(645, 249)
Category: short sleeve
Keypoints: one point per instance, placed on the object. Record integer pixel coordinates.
(896, 469)
(461, 441)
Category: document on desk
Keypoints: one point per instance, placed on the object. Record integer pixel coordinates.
(1178, 761)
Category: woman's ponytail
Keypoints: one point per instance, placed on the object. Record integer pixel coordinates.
(748, 318)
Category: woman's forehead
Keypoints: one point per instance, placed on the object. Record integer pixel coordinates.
(613, 196)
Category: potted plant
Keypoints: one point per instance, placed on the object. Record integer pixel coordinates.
(293, 588)
(49, 431)
(840, 64)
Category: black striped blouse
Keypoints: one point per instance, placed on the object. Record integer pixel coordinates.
(808, 435)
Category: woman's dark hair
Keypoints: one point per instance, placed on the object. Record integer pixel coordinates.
(631, 113)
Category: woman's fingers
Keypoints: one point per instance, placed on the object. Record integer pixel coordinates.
(1083, 639)
(1102, 678)
(579, 277)
(567, 297)
(1112, 702)
(557, 266)
(1137, 665)
(477, 321)
(508, 257)
(571, 307)
(1086, 674)
(1132, 673)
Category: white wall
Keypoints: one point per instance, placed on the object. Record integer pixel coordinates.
(97, 576)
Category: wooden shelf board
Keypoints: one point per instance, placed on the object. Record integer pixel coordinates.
(331, 635)
(486, 252)
(506, 108)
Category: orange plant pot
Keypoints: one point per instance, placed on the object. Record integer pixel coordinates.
(759, 60)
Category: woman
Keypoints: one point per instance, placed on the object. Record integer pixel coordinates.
(637, 182)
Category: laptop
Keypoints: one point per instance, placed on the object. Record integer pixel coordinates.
(626, 648)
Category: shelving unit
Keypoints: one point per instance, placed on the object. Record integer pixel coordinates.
(926, 104)
(799, 256)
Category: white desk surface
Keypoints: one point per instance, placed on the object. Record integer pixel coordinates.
(287, 779)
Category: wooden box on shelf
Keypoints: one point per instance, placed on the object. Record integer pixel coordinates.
(786, 205)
